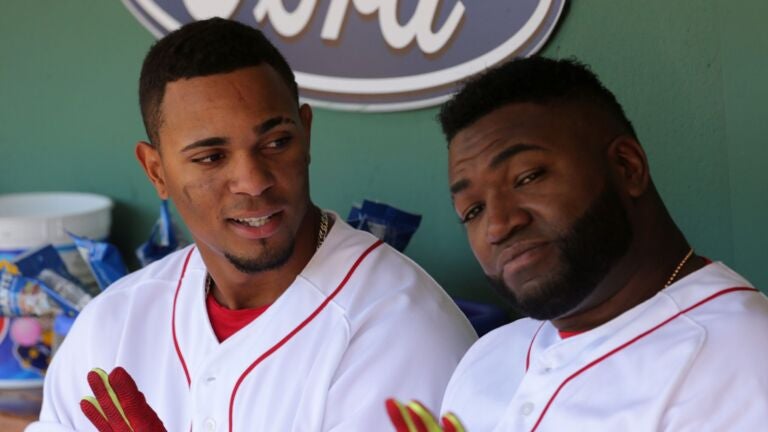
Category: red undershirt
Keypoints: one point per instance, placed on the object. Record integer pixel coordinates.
(567, 334)
(226, 322)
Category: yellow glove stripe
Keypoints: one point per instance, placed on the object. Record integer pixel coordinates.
(455, 422)
(105, 378)
(426, 417)
(92, 400)
(406, 417)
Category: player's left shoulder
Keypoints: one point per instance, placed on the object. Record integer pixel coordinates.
(369, 272)
(727, 377)
(720, 300)
(381, 287)
(731, 313)
(736, 324)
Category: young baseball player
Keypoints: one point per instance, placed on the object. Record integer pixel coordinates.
(280, 316)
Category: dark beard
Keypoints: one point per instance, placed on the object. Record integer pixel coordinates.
(270, 260)
(588, 251)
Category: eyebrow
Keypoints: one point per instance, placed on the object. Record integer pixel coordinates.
(459, 186)
(512, 151)
(503, 156)
(270, 124)
(205, 142)
(260, 129)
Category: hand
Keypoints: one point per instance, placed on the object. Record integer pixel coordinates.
(415, 417)
(119, 406)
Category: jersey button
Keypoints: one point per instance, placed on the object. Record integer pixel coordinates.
(209, 425)
(526, 409)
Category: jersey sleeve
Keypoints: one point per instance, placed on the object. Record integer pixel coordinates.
(66, 379)
(60, 392)
(732, 403)
(726, 388)
(402, 348)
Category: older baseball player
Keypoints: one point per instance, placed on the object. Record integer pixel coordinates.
(629, 329)
(280, 317)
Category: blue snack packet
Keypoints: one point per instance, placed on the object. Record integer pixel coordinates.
(102, 258)
(355, 217)
(392, 225)
(46, 266)
(163, 239)
(35, 261)
(22, 296)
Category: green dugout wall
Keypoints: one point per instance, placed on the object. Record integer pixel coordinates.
(690, 73)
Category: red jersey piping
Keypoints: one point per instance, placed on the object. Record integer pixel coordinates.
(528, 355)
(293, 332)
(173, 319)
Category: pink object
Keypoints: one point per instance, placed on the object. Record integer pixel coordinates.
(26, 331)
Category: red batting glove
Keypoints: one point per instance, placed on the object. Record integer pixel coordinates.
(415, 417)
(118, 405)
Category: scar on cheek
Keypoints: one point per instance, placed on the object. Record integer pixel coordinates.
(187, 195)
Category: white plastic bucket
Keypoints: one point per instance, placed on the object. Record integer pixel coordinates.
(30, 220)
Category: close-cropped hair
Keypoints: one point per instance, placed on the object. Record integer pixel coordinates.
(200, 49)
(528, 80)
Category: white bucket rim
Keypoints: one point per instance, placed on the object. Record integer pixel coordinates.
(93, 203)
(29, 220)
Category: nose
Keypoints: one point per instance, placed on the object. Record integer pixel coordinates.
(250, 175)
(504, 217)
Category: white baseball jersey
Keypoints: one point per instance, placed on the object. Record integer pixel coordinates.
(692, 358)
(359, 324)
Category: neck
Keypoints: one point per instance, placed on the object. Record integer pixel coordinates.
(237, 290)
(638, 276)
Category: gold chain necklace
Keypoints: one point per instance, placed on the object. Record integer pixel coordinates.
(322, 233)
(678, 268)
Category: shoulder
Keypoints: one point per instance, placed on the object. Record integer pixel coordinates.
(379, 291)
(728, 377)
(733, 319)
(363, 255)
(153, 284)
(368, 273)
(168, 269)
(726, 306)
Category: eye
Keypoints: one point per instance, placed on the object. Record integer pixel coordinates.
(472, 213)
(528, 177)
(209, 159)
(277, 144)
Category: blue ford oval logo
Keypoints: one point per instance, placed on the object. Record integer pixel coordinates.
(376, 55)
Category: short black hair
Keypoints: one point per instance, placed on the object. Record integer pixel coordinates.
(535, 80)
(198, 49)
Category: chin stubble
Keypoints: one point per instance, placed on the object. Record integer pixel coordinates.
(268, 260)
(588, 251)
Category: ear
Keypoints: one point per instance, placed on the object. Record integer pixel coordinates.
(305, 114)
(630, 165)
(150, 159)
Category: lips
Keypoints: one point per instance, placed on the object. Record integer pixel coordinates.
(257, 225)
(253, 221)
(519, 255)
